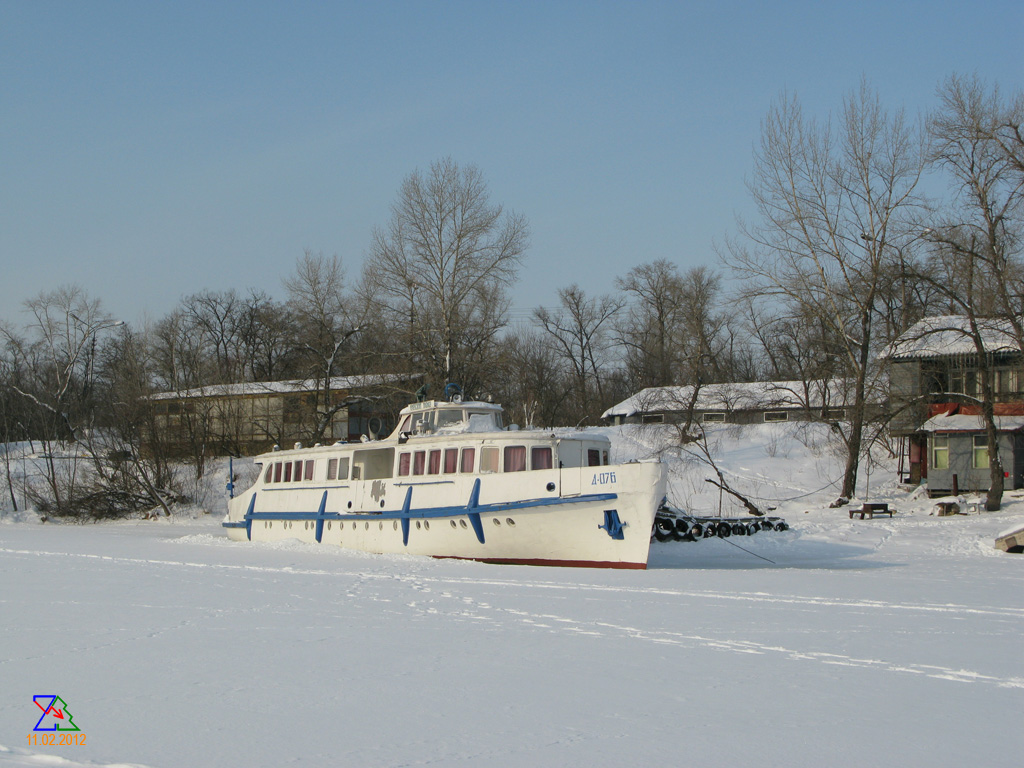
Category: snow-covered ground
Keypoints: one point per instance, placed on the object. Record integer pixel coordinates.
(842, 642)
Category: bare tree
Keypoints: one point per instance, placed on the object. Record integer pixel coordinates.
(444, 257)
(130, 456)
(12, 415)
(265, 338)
(976, 267)
(57, 359)
(324, 330)
(530, 379)
(651, 323)
(580, 332)
(215, 319)
(835, 209)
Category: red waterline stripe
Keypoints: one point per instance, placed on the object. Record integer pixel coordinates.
(554, 563)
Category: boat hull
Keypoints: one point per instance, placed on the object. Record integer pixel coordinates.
(597, 517)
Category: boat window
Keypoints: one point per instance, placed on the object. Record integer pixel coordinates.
(288, 472)
(373, 463)
(468, 459)
(270, 474)
(483, 422)
(540, 458)
(448, 417)
(332, 469)
(308, 473)
(451, 460)
(489, 459)
(604, 458)
(277, 472)
(419, 459)
(515, 458)
(593, 457)
(297, 476)
(403, 464)
(343, 468)
(435, 463)
(405, 424)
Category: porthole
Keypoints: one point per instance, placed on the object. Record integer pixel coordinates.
(426, 524)
(354, 524)
(497, 521)
(394, 525)
(417, 525)
(510, 521)
(381, 526)
(454, 525)
(463, 523)
(366, 526)
(350, 505)
(328, 525)
(382, 503)
(305, 524)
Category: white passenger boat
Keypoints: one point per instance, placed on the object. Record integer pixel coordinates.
(451, 482)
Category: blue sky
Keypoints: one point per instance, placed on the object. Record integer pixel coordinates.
(152, 150)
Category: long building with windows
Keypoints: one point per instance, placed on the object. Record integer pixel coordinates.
(251, 417)
(735, 403)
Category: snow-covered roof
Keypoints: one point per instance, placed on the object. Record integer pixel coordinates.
(281, 387)
(950, 335)
(960, 422)
(755, 395)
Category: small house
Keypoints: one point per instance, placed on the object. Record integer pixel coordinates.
(935, 392)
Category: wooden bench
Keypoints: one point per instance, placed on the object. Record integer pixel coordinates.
(869, 510)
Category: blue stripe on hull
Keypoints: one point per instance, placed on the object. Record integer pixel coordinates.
(430, 512)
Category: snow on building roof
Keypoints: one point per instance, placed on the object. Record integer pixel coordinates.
(960, 422)
(754, 395)
(281, 387)
(950, 335)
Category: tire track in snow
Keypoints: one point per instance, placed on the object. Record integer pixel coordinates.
(645, 591)
(601, 629)
(482, 611)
